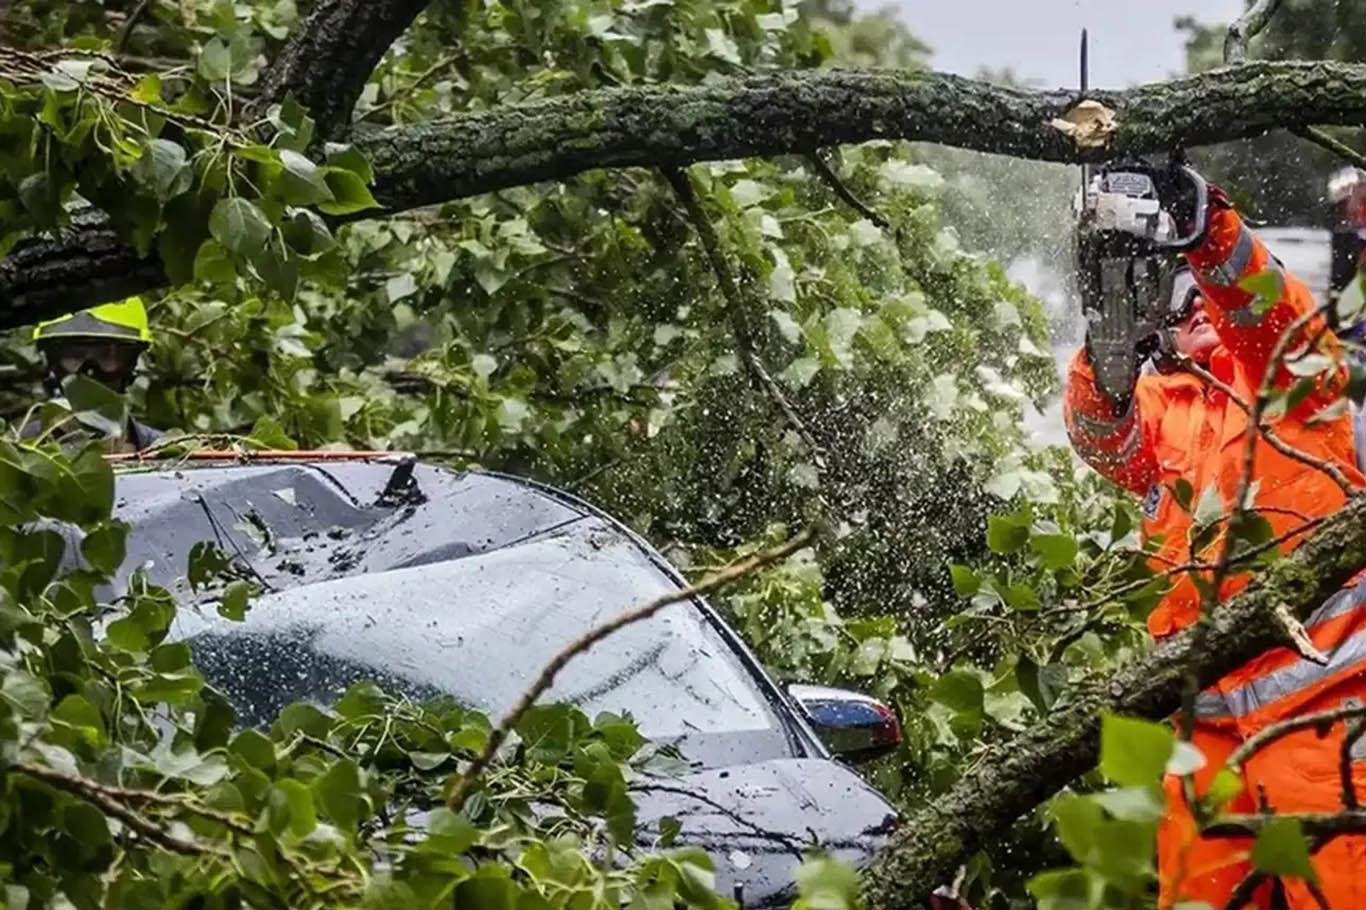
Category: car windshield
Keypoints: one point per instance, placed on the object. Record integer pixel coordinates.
(481, 627)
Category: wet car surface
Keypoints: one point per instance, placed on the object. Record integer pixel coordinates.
(431, 581)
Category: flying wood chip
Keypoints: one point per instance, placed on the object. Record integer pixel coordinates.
(1089, 124)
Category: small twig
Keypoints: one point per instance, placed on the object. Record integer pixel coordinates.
(103, 798)
(1324, 140)
(1328, 824)
(1246, 27)
(1273, 440)
(126, 32)
(1263, 738)
(735, 309)
(1349, 739)
(737, 570)
(1296, 636)
(1243, 894)
(827, 173)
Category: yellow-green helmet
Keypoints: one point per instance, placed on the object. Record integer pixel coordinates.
(122, 321)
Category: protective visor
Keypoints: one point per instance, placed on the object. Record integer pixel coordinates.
(1182, 298)
(109, 358)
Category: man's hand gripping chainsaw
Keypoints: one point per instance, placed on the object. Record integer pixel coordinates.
(1131, 220)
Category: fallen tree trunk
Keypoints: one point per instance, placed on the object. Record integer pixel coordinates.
(765, 114)
(1027, 770)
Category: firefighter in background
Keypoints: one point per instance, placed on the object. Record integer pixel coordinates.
(103, 343)
(1145, 432)
(1347, 194)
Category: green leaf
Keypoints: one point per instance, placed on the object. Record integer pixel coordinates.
(827, 884)
(267, 433)
(297, 801)
(349, 158)
(1063, 889)
(1227, 784)
(1135, 804)
(1266, 287)
(349, 193)
(239, 226)
(170, 688)
(1133, 752)
(363, 700)
(104, 547)
(301, 181)
(1282, 850)
(84, 718)
(487, 889)
(215, 60)
(1184, 493)
(669, 829)
(965, 581)
(338, 792)
(1356, 382)
(1006, 533)
(959, 690)
(164, 169)
(1210, 508)
(206, 562)
(293, 123)
(148, 90)
(1055, 551)
(96, 405)
(236, 601)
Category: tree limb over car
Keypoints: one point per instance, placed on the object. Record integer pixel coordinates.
(758, 115)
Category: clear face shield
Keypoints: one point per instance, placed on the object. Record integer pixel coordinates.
(1180, 301)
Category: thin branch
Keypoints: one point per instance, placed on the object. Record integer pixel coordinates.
(1315, 824)
(734, 572)
(103, 798)
(736, 310)
(1275, 441)
(827, 173)
(1320, 720)
(1349, 739)
(126, 32)
(1246, 27)
(1322, 138)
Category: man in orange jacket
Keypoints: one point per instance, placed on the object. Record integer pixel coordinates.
(1172, 426)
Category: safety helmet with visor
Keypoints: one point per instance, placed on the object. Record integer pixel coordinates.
(103, 342)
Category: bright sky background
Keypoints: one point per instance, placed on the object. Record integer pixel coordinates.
(1131, 40)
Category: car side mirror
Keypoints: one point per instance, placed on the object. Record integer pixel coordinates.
(854, 726)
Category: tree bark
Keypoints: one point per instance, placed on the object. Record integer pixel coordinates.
(766, 114)
(1022, 773)
(329, 58)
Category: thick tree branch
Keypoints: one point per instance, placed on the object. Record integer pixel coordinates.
(1024, 772)
(766, 114)
(331, 55)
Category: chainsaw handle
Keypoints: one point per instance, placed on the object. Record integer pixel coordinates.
(1199, 216)
(1166, 183)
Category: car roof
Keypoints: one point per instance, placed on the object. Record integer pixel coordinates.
(287, 523)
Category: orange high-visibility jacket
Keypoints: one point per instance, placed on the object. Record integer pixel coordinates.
(1178, 428)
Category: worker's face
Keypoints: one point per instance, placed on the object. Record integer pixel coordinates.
(109, 362)
(1194, 336)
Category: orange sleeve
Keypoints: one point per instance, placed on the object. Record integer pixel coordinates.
(1117, 445)
(1249, 329)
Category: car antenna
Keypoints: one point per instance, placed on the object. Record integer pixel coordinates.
(402, 488)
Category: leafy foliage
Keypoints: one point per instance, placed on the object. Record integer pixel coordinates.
(127, 782)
